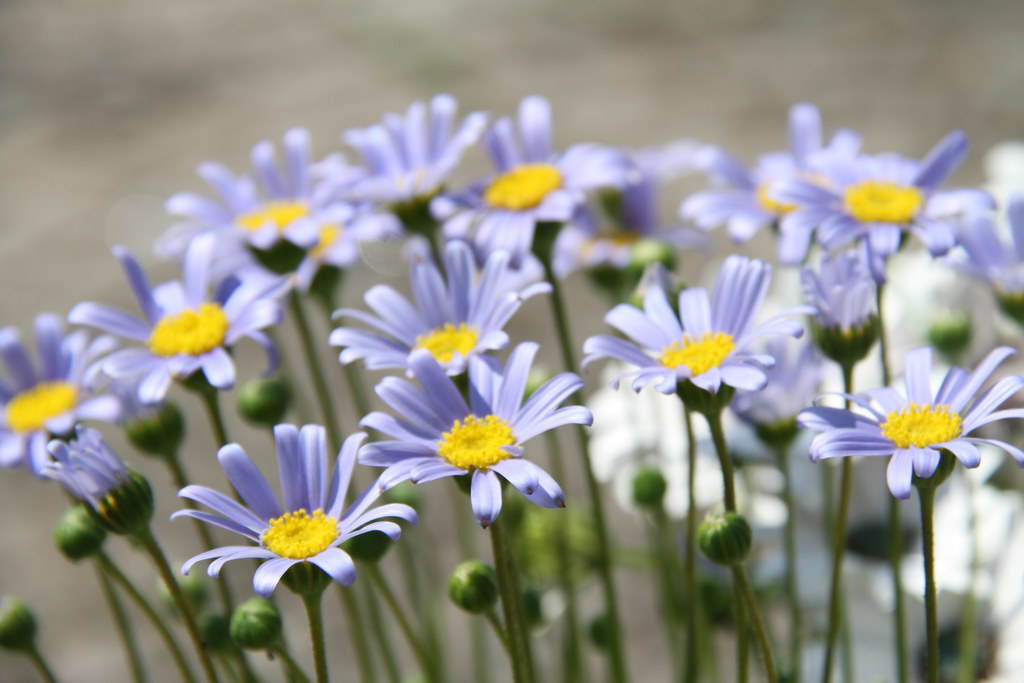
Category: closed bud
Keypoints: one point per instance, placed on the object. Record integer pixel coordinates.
(647, 252)
(649, 488)
(368, 547)
(597, 631)
(159, 433)
(256, 625)
(778, 434)
(194, 587)
(128, 507)
(950, 334)
(17, 625)
(473, 586)
(78, 535)
(215, 631)
(725, 538)
(264, 401)
(1012, 305)
(846, 347)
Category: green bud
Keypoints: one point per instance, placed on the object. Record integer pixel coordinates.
(1012, 305)
(950, 334)
(263, 402)
(648, 251)
(368, 547)
(649, 487)
(531, 607)
(128, 507)
(778, 434)
(597, 631)
(284, 257)
(17, 625)
(195, 587)
(846, 347)
(473, 586)
(725, 538)
(215, 631)
(78, 535)
(256, 625)
(159, 434)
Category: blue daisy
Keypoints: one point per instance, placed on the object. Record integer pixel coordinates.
(841, 291)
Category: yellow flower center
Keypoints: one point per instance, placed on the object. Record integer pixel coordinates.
(524, 187)
(280, 213)
(446, 341)
(298, 536)
(921, 425)
(329, 234)
(192, 332)
(698, 354)
(29, 410)
(873, 201)
(769, 204)
(476, 442)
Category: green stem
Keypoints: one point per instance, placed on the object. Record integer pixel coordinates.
(314, 615)
(664, 548)
(413, 567)
(464, 534)
(499, 631)
(212, 405)
(835, 605)
(968, 650)
(380, 634)
(356, 628)
(792, 595)
(760, 633)
(149, 544)
(927, 498)
(40, 663)
(358, 389)
(124, 629)
(693, 592)
(291, 665)
(309, 351)
(422, 656)
(512, 605)
(147, 610)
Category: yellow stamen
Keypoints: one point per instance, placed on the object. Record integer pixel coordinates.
(29, 410)
(329, 234)
(281, 213)
(698, 354)
(447, 340)
(769, 204)
(298, 536)
(523, 187)
(921, 425)
(873, 201)
(476, 442)
(192, 332)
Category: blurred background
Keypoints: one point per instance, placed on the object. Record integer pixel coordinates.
(106, 107)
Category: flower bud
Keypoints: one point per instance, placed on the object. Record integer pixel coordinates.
(256, 624)
(282, 258)
(649, 488)
(194, 587)
(127, 508)
(158, 434)
(368, 547)
(950, 334)
(1012, 305)
(597, 631)
(725, 538)
(648, 251)
(473, 586)
(215, 631)
(78, 535)
(17, 625)
(846, 346)
(263, 402)
(778, 434)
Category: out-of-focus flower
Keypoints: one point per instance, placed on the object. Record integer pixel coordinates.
(707, 342)
(913, 429)
(337, 243)
(439, 435)
(184, 330)
(842, 292)
(37, 402)
(991, 260)
(453, 320)
(311, 520)
(793, 382)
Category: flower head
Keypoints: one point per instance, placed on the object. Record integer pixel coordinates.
(338, 241)
(914, 428)
(452, 319)
(39, 401)
(443, 436)
(307, 524)
(706, 342)
(184, 330)
(990, 259)
(792, 383)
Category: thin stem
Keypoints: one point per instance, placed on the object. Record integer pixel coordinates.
(413, 566)
(358, 389)
(968, 651)
(664, 548)
(124, 628)
(44, 670)
(309, 351)
(422, 656)
(380, 634)
(740, 622)
(927, 498)
(792, 595)
(314, 615)
(512, 605)
(291, 665)
(359, 642)
(499, 630)
(212, 405)
(760, 633)
(149, 544)
(690, 564)
(135, 596)
(464, 534)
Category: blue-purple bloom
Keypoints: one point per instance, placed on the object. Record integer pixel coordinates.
(914, 428)
(309, 521)
(707, 342)
(533, 184)
(842, 291)
(39, 401)
(989, 258)
(793, 382)
(184, 330)
(86, 466)
(453, 319)
(439, 435)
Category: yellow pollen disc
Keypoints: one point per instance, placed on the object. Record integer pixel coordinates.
(921, 425)
(329, 234)
(298, 536)
(29, 410)
(476, 442)
(524, 187)
(280, 213)
(699, 354)
(192, 332)
(769, 204)
(446, 341)
(874, 201)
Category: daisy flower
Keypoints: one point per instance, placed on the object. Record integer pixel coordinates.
(793, 383)
(706, 342)
(37, 402)
(184, 330)
(452, 319)
(990, 259)
(307, 524)
(877, 199)
(915, 427)
(533, 184)
(442, 436)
